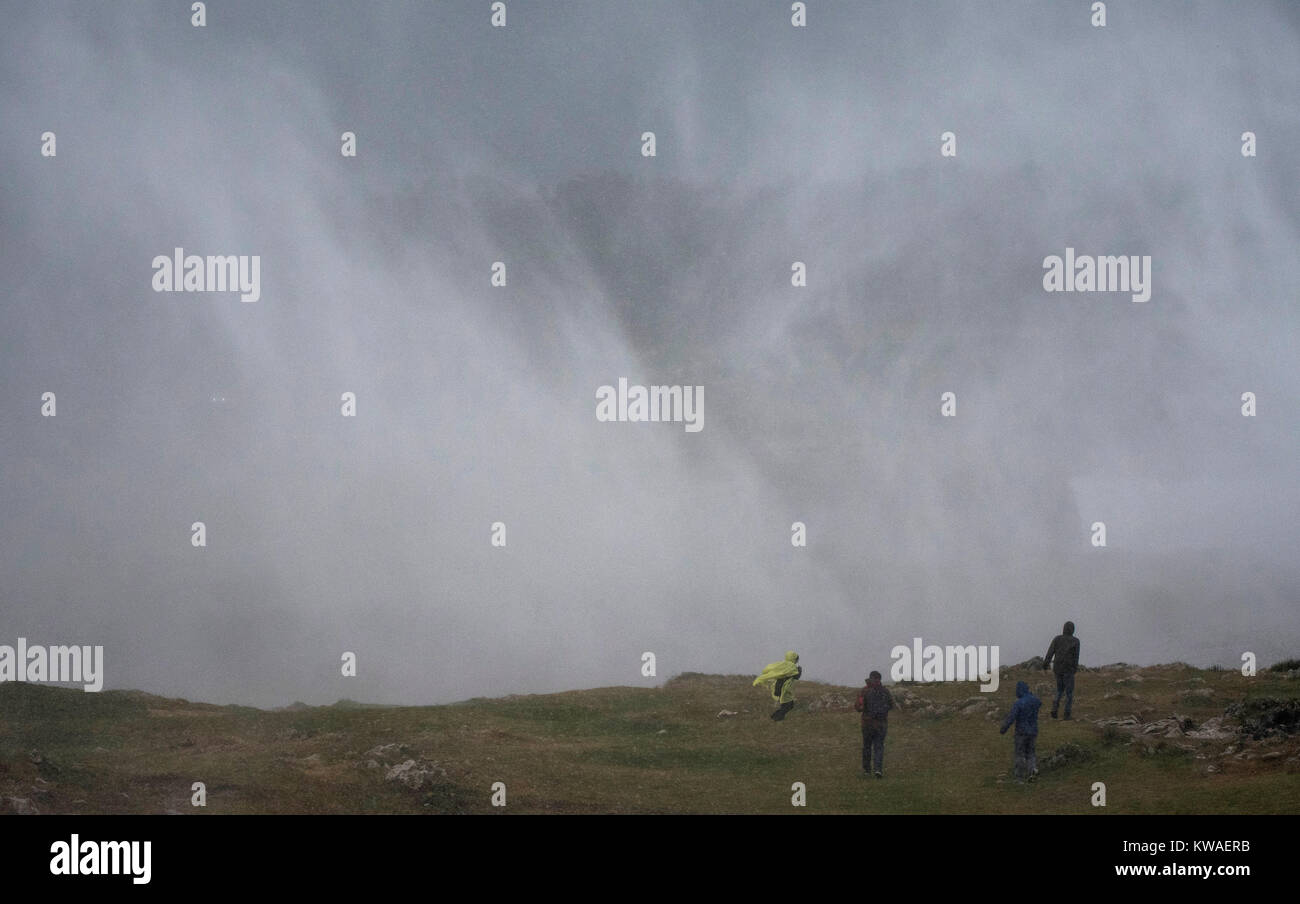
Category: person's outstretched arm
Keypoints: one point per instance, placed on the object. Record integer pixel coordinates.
(1011, 717)
(1051, 651)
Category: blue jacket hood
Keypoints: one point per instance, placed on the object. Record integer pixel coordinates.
(1024, 712)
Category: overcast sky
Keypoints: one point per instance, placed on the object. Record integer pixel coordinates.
(476, 404)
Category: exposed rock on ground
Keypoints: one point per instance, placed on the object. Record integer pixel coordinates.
(1267, 717)
(416, 774)
(830, 703)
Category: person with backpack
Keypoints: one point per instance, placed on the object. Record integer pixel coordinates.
(874, 702)
(1065, 649)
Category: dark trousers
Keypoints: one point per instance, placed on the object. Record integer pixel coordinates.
(873, 745)
(1026, 759)
(782, 710)
(1064, 685)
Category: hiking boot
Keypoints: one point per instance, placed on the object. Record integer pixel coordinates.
(1033, 776)
(879, 774)
(1068, 717)
(1054, 714)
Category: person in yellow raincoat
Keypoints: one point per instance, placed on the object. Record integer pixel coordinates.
(782, 676)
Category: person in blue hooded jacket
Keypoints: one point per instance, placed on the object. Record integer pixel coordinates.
(1024, 713)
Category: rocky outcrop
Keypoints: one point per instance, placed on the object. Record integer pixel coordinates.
(1212, 730)
(1067, 754)
(1266, 717)
(20, 806)
(830, 703)
(416, 774)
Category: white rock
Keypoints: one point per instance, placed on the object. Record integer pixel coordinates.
(414, 775)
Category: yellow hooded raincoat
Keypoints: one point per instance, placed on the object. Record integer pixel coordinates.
(774, 672)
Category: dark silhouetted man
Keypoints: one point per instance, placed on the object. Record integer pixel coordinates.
(1065, 650)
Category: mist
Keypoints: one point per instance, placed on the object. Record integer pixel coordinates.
(476, 404)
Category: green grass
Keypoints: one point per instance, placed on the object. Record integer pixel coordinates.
(642, 750)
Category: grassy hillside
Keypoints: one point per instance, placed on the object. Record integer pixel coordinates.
(1157, 736)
